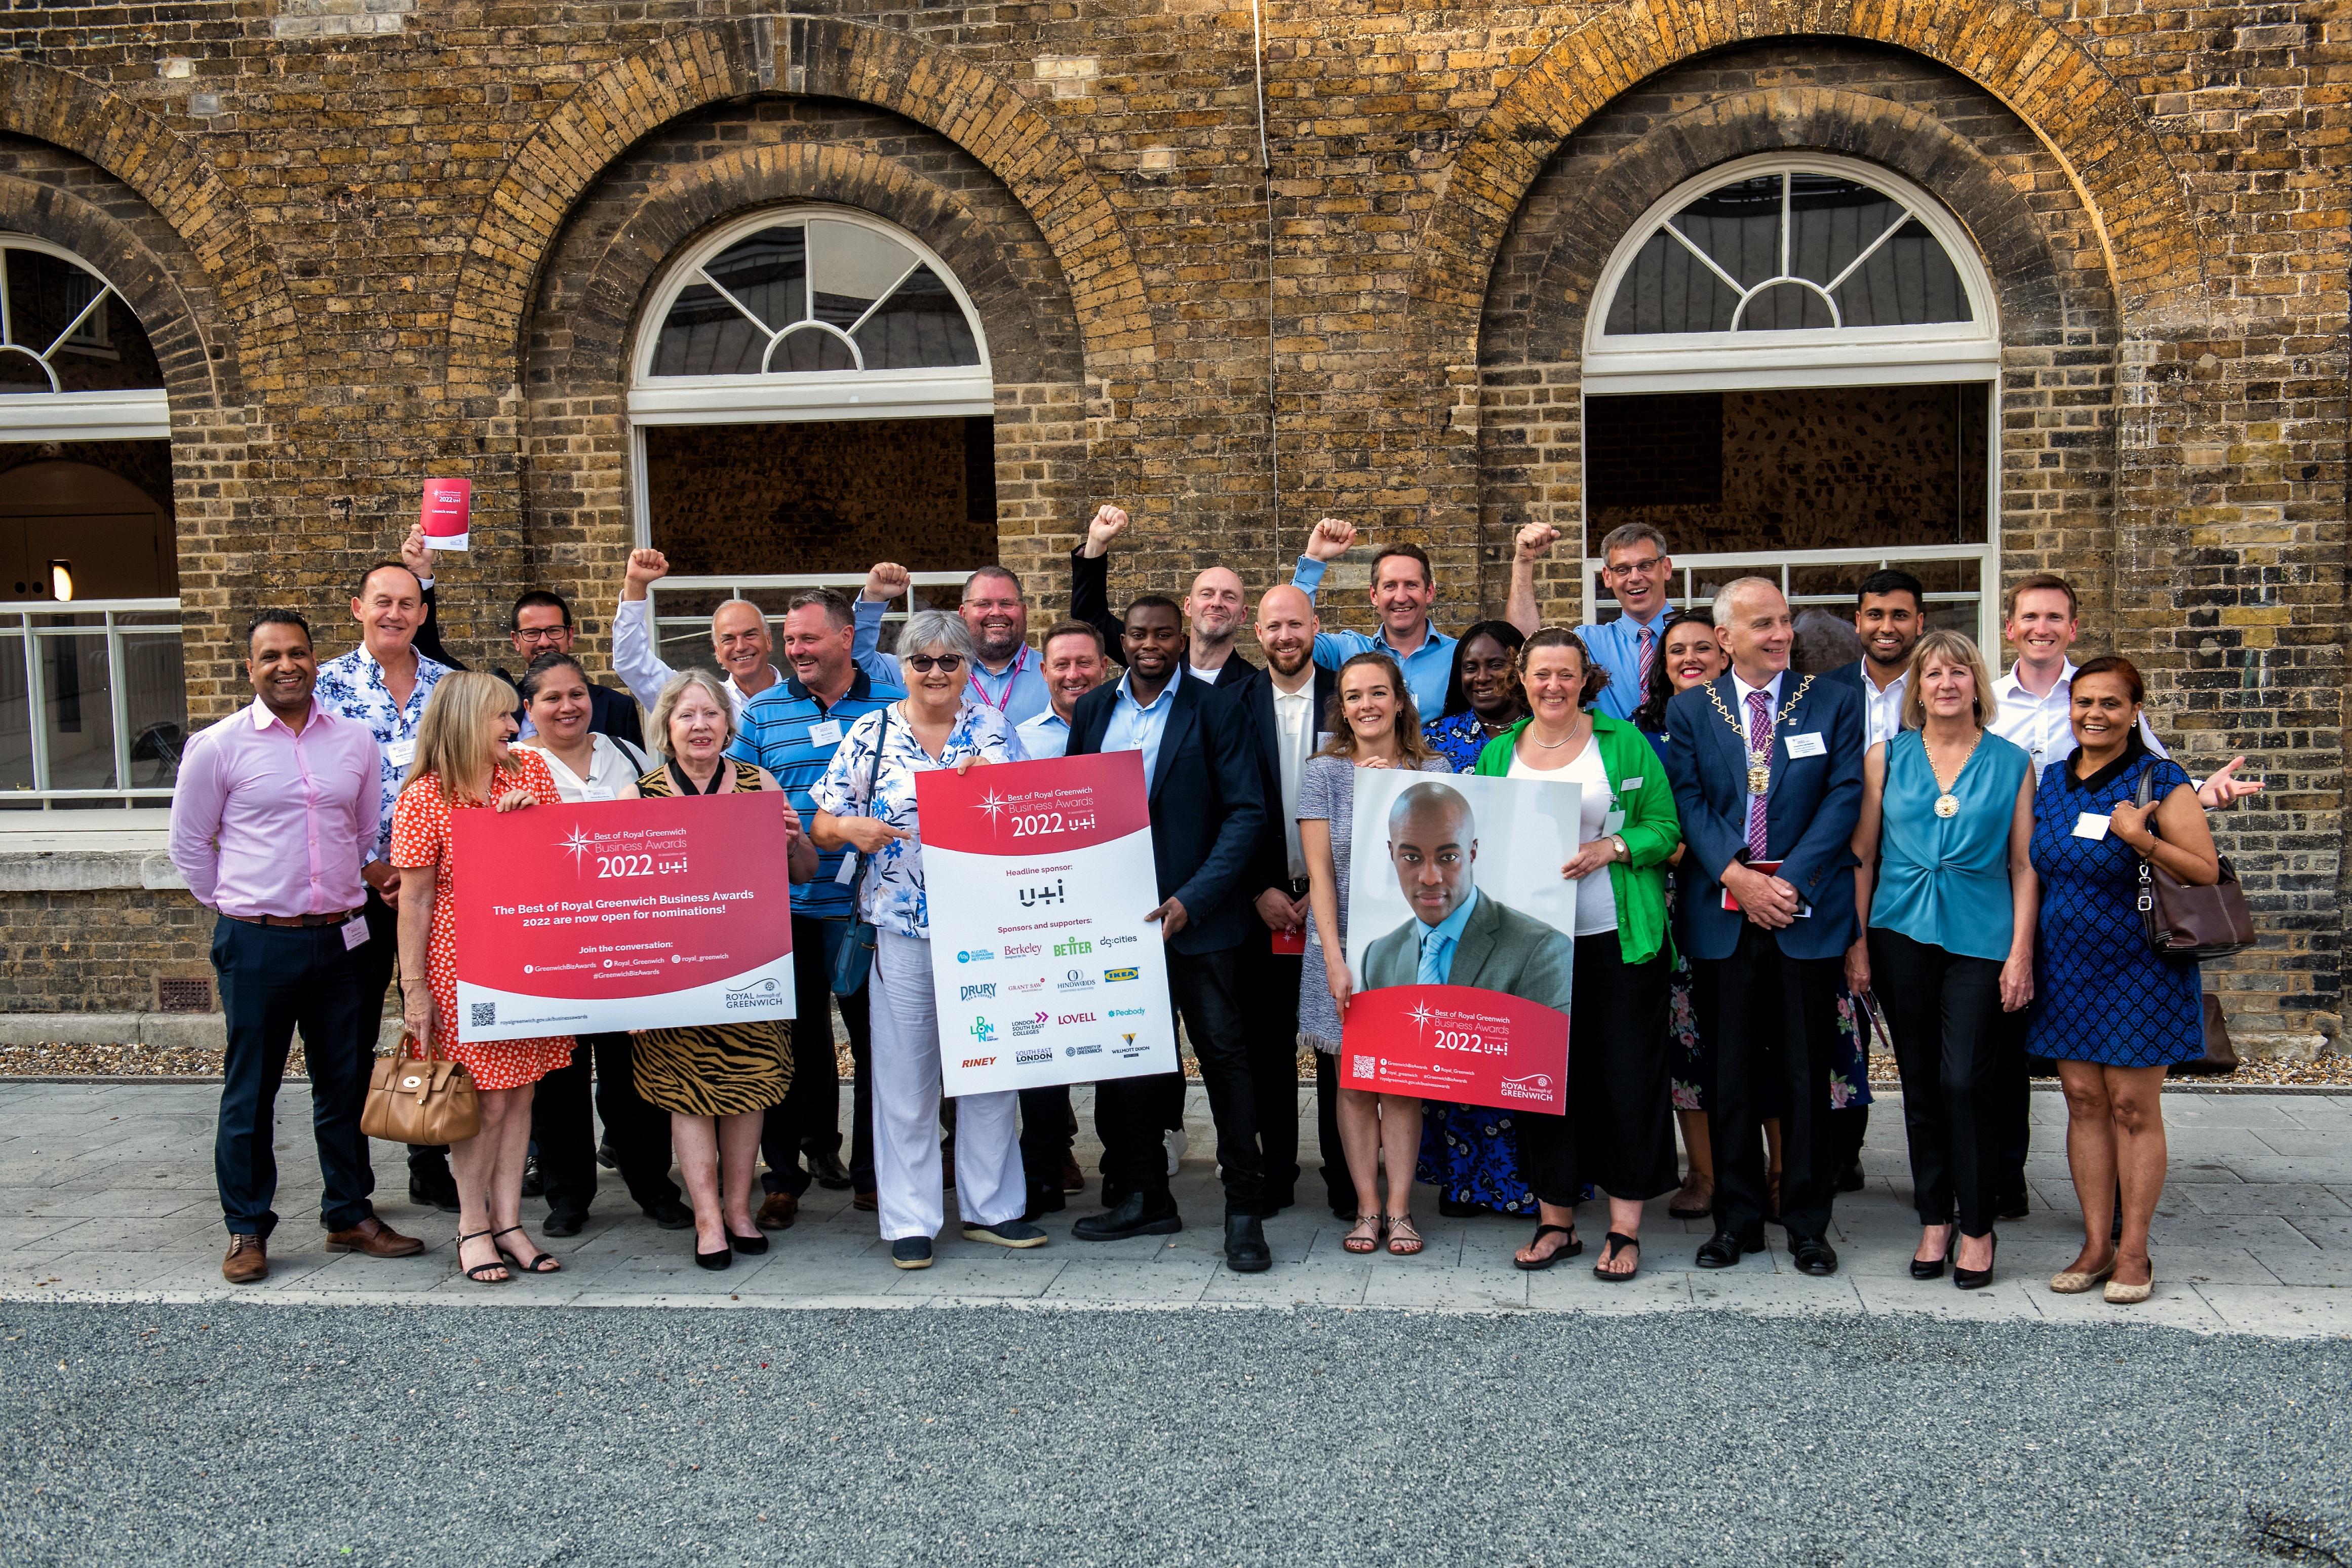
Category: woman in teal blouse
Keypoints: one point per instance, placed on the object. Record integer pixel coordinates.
(1947, 893)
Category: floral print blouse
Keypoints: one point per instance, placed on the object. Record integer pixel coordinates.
(890, 884)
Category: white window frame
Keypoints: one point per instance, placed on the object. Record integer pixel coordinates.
(1951, 352)
(142, 415)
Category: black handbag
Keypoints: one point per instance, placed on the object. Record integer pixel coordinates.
(854, 955)
(2188, 923)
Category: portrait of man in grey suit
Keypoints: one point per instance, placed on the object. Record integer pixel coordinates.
(1433, 843)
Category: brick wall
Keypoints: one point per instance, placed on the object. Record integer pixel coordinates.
(373, 240)
(98, 952)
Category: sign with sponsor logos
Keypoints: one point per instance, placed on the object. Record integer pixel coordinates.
(1039, 876)
(630, 914)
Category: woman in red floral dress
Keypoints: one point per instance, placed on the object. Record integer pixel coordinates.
(463, 762)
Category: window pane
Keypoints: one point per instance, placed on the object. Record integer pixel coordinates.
(77, 712)
(768, 272)
(705, 335)
(920, 325)
(812, 349)
(109, 353)
(1785, 307)
(1908, 281)
(1738, 227)
(850, 267)
(44, 294)
(21, 373)
(155, 697)
(16, 723)
(1834, 221)
(1668, 290)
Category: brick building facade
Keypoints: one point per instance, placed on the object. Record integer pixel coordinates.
(1355, 260)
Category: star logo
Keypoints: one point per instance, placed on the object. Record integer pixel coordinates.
(1421, 1014)
(576, 844)
(992, 803)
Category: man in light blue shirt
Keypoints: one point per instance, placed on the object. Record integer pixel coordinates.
(1404, 586)
(1137, 726)
(1008, 675)
(1438, 943)
(1074, 662)
(1636, 568)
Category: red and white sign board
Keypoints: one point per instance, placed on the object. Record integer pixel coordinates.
(448, 513)
(1037, 877)
(1456, 1043)
(626, 914)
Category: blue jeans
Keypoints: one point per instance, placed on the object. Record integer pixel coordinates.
(273, 981)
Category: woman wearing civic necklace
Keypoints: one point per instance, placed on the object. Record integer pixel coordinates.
(1946, 893)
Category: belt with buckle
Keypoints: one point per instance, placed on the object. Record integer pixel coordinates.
(294, 920)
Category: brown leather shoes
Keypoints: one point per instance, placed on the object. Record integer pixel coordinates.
(376, 1239)
(865, 1202)
(248, 1262)
(1072, 1179)
(778, 1212)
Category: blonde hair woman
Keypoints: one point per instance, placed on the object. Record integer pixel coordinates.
(466, 761)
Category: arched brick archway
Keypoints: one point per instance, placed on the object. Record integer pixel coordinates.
(818, 57)
(2155, 253)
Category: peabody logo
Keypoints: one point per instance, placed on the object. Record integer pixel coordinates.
(1072, 948)
(1027, 1058)
(974, 955)
(1082, 1050)
(1074, 1018)
(1535, 1086)
(1127, 1013)
(1019, 950)
(1114, 976)
(979, 1061)
(988, 990)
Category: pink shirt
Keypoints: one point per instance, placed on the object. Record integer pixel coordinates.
(268, 822)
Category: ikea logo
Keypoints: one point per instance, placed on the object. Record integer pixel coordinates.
(1118, 974)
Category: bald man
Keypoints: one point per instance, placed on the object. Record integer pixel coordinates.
(1214, 606)
(1284, 706)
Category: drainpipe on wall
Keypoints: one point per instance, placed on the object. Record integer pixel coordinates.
(1265, 170)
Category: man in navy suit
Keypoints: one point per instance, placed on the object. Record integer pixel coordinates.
(1767, 770)
(1206, 812)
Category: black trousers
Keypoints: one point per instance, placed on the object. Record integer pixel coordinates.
(1270, 1037)
(1617, 1130)
(1048, 1126)
(1131, 1114)
(1339, 1182)
(378, 957)
(565, 1130)
(2011, 1093)
(1774, 1021)
(275, 980)
(1943, 1011)
(809, 1117)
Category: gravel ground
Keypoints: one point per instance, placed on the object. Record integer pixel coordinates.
(371, 1436)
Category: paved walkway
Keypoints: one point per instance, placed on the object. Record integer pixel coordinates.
(106, 1194)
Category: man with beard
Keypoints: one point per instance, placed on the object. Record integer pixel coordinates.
(1212, 609)
(1207, 814)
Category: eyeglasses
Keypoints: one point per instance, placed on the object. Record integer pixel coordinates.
(924, 663)
(543, 633)
(1634, 568)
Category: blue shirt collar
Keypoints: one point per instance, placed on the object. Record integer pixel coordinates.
(1431, 638)
(1126, 692)
(1656, 623)
(1451, 927)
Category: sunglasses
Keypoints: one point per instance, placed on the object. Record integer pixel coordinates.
(924, 663)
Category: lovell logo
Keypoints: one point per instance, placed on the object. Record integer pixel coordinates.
(1074, 1018)
(987, 991)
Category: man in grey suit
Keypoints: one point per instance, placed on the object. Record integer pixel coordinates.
(1457, 936)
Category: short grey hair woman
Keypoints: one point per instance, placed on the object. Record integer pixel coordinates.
(866, 802)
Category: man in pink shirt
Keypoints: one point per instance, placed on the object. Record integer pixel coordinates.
(274, 813)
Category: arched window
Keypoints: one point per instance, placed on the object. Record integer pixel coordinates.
(75, 365)
(1791, 370)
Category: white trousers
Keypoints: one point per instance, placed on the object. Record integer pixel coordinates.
(989, 1187)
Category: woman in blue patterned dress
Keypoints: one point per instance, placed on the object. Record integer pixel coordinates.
(1467, 1151)
(2112, 1012)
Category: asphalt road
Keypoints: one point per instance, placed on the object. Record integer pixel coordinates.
(291, 1434)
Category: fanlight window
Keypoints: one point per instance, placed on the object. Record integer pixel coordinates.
(64, 329)
(815, 294)
(1790, 250)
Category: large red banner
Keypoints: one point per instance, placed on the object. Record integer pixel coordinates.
(630, 914)
(1456, 1043)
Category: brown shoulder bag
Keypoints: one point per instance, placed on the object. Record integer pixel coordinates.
(417, 1099)
(2188, 923)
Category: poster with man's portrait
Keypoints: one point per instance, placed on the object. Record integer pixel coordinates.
(1460, 937)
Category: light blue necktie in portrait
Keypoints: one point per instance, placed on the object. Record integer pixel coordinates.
(1435, 948)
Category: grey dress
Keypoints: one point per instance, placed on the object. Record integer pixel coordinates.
(1326, 793)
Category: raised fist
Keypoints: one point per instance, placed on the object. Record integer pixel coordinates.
(1331, 540)
(646, 567)
(885, 581)
(1536, 541)
(1109, 522)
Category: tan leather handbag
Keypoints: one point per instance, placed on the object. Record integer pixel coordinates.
(425, 1099)
(2185, 923)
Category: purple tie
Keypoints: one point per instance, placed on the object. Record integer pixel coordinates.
(1760, 743)
(1649, 651)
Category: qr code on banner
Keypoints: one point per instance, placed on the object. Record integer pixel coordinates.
(1362, 1067)
(486, 1015)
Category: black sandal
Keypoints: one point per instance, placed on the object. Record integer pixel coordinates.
(1569, 1248)
(475, 1273)
(545, 1262)
(1612, 1245)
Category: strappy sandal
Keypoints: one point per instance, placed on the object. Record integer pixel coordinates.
(1568, 1249)
(1612, 1245)
(476, 1272)
(1359, 1242)
(544, 1262)
(1404, 1239)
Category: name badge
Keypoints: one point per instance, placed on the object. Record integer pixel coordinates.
(1808, 745)
(1629, 786)
(595, 792)
(400, 754)
(847, 875)
(826, 734)
(2090, 824)
(355, 932)
(1611, 821)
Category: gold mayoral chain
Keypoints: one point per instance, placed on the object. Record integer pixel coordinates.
(1759, 764)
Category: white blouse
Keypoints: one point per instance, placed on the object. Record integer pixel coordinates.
(613, 769)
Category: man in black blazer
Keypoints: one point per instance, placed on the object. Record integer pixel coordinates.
(1207, 810)
(1285, 707)
(1213, 610)
(1767, 768)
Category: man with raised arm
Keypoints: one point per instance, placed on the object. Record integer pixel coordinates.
(1213, 607)
(739, 638)
(1636, 568)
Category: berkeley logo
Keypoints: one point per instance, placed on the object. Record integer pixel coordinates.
(988, 990)
(1020, 950)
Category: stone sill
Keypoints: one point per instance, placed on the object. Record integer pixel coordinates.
(165, 1031)
(69, 852)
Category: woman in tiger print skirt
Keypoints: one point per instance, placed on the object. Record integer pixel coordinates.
(715, 1080)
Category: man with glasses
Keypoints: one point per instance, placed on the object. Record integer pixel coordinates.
(540, 623)
(1636, 568)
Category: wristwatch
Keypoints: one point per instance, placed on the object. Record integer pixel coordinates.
(1622, 853)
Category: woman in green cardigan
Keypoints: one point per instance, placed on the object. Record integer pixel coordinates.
(1619, 1132)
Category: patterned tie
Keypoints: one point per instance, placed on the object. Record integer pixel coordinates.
(1760, 743)
(1434, 950)
(1649, 651)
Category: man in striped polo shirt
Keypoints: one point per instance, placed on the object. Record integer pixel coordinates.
(792, 729)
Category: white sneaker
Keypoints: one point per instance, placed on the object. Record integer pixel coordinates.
(1177, 1144)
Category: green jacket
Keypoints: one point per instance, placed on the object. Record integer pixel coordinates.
(1651, 831)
